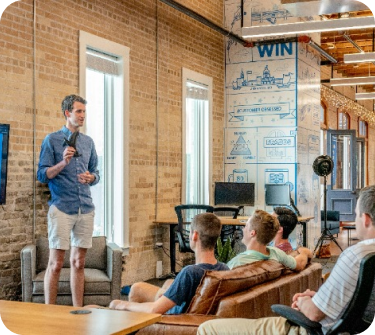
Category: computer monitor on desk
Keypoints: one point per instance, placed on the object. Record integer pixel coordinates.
(234, 194)
(279, 195)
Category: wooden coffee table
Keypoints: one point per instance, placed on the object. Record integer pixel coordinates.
(38, 319)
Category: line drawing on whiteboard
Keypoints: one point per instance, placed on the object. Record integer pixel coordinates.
(282, 110)
(266, 79)
(277, 142)
(271, 16)
(241, 147)
(238, 176)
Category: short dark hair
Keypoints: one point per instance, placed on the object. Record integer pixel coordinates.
(366, 202)
(68, 102)
(208, 226)
(265, 225)
(287, 219)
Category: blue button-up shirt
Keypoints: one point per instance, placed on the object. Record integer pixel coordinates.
(67, 193)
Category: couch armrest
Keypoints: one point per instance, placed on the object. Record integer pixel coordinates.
(114, 268)
(183, 324)
(28, 271)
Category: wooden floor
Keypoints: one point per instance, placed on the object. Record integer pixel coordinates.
(342, 240)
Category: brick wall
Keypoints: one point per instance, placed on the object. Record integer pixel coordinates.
(148, 31)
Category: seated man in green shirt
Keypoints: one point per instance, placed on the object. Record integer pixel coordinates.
(260, 230)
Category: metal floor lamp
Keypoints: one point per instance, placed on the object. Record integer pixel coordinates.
(323, 166)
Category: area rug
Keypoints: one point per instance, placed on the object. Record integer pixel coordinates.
(327, 263)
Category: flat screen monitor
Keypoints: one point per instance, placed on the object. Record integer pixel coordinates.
(234, 194)
(277, 195)
(4, 143)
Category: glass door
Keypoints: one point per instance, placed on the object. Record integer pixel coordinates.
(341, 193)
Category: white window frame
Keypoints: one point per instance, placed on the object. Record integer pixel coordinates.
(119, 231)
(207, 81)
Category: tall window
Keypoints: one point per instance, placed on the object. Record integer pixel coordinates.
(104, 78)
(197, 102)
(362, 129)
(362, 154)
(343, 121)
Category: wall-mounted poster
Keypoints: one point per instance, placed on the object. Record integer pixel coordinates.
(4, 143)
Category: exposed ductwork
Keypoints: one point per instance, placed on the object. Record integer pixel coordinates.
(236, 38)
(205, 21)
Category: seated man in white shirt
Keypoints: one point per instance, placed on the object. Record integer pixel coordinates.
(330, 301)
(259, 231)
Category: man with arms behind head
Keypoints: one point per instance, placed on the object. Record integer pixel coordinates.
(204, 231)
(68, 163)
(330, 301)
(260, 229)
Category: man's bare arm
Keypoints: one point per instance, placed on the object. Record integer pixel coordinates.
(303, 258)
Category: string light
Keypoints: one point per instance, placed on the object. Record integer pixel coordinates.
(338, 100)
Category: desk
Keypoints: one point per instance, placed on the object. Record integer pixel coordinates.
(240, 221)
(38, 319)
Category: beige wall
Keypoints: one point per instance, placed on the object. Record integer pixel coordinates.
(152, 33)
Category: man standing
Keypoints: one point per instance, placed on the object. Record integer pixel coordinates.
(260, 229)
(330, 301)
(68, 163)
(204, 232)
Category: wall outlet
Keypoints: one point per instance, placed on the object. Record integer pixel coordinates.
(158, 244)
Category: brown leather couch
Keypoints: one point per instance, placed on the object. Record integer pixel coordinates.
(247, 291)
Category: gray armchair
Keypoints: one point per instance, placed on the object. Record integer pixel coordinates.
(103, 269)
(333, 221)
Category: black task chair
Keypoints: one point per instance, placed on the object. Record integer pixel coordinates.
(185, 214)
(227, 231)
(357, 317)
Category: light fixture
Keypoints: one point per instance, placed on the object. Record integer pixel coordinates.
(352, 81)
(308, 27)
(359, 57)
(365, 96)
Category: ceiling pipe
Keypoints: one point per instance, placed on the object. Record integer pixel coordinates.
(348, 38)
(205, 21)
(236, 38)
(325, 54)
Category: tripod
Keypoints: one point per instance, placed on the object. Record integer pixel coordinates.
(326, 234)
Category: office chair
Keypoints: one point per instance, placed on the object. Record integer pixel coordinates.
(358, 315)
(227, 231)
(185, 214)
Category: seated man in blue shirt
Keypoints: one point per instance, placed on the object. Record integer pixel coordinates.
(204, 231)
(258, 232)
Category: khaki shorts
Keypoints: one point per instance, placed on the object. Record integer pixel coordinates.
(262, 326)
(64, 227)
